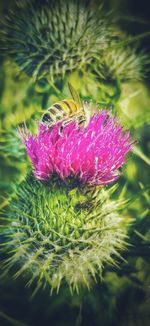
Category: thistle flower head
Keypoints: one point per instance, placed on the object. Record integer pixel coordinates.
(90, 154)
(59, 233)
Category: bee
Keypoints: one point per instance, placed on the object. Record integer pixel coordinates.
(68, 110)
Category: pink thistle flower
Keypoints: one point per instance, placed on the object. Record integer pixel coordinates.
(93, 154)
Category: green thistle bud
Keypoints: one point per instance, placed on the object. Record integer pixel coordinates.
(124, 63)
(61, 232)
(49, 40)
(53, 38)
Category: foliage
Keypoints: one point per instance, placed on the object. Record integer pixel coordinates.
(14, 163)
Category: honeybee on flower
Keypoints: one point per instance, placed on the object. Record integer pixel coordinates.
(91, 154)
(68, 110)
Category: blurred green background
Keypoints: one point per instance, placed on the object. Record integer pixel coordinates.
(124, 296)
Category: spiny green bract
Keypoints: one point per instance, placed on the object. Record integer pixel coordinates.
(49, 40)
(61, 232)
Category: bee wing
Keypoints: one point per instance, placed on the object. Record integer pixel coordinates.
(75, 95)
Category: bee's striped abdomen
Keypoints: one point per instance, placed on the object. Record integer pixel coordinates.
(70, 106)
(53, 114)
(46, 118)
(59, 111)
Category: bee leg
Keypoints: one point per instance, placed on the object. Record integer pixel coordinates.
(81, 120)
(64, 123)
(60, 131)
(68, 120)
(88, 112)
